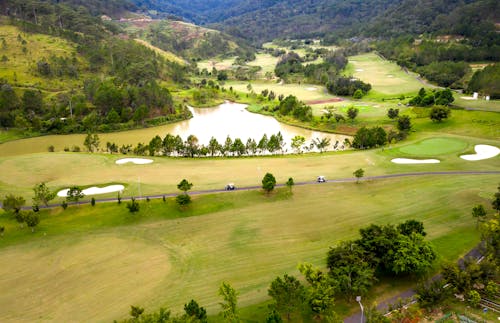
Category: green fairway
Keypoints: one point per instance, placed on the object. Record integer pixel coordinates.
(386, 78)
(434, 147)
(97, 255)
(304, 92)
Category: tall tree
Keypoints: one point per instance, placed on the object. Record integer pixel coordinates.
(288, 295)
(290, 183)
(230, 302)
(352, 113)
(184, 186)
(319, 292)
(42, 194)
(297, 143)
(349, 268)
(479, 213)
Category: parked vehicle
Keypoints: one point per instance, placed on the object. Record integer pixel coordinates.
(230, 187)
(321, 179)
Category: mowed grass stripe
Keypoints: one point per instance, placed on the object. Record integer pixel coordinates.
(251, 239)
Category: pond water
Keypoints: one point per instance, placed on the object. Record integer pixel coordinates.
(227, 119)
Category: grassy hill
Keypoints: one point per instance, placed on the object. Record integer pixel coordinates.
(22, 52)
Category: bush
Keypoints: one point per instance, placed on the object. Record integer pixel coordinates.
(133, 206)
(92, 201)
(64, 205)
(51, 149)
(183, 199)
(358, 94)
(439, 113)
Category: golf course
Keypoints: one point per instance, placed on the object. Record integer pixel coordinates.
(90, 262)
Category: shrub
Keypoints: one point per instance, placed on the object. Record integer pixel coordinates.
(133, 206)
(183, 199)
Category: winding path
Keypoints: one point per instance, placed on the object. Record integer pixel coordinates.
(247, 188)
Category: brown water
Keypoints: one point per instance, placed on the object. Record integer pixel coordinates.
(227, 119)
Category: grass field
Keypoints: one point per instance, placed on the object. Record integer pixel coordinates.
(60, 170)
(387, 78)
(165, 54)
(266, 61)
(244, 238)
(219, 65)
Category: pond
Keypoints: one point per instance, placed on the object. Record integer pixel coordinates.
(227, 119)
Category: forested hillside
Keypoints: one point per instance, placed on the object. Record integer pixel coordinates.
(100, 81)
(268, 19)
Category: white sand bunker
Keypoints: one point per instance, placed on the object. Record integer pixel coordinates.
(311, 88)
(138, 161)
(359, 70)
(482, 152)
(414, 161)
(94, 190)
(390, 75)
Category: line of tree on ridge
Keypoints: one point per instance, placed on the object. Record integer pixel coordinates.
(172, 145)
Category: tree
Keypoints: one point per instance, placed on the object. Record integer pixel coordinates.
(13, 203)
(268, 182)
(320, 290)
(404, 123)
(230, 301)
(288, 295)
(496, 201)
(133, 206)
(2, 230)
(183, 199)
(358, 94)
(184, 186)
(195, 311)
(352, 113)
(439, 113)
(358, 173)
(322, 143)
(42, 194)
(74, 194)
(91, 142)
(479, 213)
(290, 184)
(348, 266)
(136, 311)
(412, 255)
(32, 219)
(393, 113)
(297, 143)
(430, 294)
(411, 226)
(473, 298)
(213, 146)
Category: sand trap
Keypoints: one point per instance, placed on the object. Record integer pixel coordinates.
(94, 190)
(390, 75)
(311, 88)
(359, 70)
(414, 161)
(468, 98)
(482, 152)
(138, 161)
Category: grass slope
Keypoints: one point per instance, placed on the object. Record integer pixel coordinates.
(387, 78)
(20, 69)
(99, 255)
